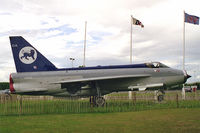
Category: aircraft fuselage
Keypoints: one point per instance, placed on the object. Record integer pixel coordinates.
(46, 82)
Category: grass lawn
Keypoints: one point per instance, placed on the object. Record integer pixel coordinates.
(150, 121)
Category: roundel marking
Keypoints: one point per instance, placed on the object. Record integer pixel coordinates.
(27, 55)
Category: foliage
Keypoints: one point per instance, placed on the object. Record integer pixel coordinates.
(4, 85)
(194, 84)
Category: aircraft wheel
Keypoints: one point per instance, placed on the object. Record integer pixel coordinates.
(100, 101)
(160, 98)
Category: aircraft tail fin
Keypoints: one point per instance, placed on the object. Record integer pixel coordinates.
(27, 58)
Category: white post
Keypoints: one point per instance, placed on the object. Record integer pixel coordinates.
(184, 40)
(84, 44)
(183, 90)
(131, 54)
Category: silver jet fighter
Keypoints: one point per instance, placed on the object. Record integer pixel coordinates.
(36, 75)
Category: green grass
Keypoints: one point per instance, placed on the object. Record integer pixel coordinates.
(151, 121)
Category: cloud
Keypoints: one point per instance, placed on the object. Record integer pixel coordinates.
(56, 29)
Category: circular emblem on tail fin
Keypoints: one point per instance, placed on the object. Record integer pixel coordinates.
(27, 55)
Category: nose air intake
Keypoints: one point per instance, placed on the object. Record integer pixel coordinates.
(186, 76)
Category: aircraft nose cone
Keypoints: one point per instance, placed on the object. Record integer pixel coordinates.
(186, 76)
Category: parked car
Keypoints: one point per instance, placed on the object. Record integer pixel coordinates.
(188, 89)
(7, 91)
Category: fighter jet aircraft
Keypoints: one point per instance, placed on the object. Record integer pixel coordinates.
(36, 75)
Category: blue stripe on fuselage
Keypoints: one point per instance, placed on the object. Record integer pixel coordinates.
(106, 67)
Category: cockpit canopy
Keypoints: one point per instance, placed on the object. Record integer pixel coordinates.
(156, 65)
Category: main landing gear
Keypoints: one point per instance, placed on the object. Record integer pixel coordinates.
(98, 100)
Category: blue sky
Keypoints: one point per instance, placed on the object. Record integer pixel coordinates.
(56, 29)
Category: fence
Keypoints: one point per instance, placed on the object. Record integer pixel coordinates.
(116, 102)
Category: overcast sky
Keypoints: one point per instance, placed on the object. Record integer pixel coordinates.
(56, 29)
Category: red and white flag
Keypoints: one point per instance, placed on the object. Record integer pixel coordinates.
(137, 22)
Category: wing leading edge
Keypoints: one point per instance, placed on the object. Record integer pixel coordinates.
(101, 78)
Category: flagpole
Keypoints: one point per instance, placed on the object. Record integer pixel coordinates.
(84, 44)
(183, 89)
(131, 54)
(183, 40)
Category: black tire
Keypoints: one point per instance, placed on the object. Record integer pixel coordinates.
(160, 98)
(99, 101)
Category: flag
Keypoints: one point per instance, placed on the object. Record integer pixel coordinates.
(137, 22)
(191, 19)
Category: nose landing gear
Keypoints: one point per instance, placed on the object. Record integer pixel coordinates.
(159, 95)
